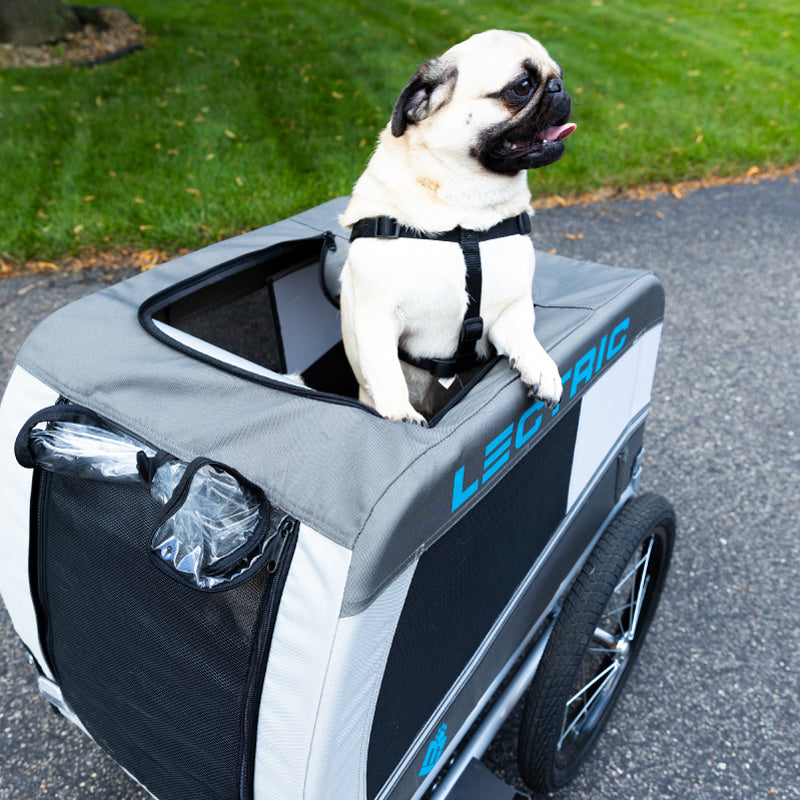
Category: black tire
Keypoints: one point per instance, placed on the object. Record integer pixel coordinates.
(594, 643)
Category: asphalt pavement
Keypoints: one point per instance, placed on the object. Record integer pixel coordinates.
(712, 709)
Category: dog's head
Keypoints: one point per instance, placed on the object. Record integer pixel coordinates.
(497, 99)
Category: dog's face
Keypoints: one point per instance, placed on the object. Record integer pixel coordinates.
(495, 102)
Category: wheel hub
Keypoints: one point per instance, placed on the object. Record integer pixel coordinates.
(622, 649)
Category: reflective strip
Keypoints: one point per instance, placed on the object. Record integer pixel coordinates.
(337, 765)
(23, 397)
(297, 665)
(611, 402)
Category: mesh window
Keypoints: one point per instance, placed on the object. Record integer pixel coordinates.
(460, 587)
(156, 671)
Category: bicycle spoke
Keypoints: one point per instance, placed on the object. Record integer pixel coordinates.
(633, 594)
(643, 581)
(604, 678)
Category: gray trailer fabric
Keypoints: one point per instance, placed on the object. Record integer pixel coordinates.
(383, 490)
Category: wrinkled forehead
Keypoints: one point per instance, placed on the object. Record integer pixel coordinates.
(488, 61)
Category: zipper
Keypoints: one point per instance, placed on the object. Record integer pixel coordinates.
(37, 564)
(282, 560)
(161, 299)
(256, 539)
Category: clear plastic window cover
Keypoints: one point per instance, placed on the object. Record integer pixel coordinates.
(216, 515)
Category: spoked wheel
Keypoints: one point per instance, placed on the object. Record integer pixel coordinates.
(594, 643)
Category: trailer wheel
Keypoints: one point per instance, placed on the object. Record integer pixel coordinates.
(594, 643)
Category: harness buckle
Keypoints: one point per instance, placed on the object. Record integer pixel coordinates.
(471, 330)
(443, 367)
(524, 222)
(386, 228)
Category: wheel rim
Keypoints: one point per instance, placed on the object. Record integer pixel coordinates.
(609, 654)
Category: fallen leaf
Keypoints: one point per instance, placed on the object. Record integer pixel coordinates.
(147, 259)
(77, 229)
(88, 198)
(338, 95)
(676, 193)
(139, 201)
(230, 134)
(239, 181)
(752, 171)
(574, 236)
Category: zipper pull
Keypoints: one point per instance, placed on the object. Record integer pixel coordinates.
(287, 526)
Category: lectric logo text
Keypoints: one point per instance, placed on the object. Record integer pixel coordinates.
(498, 451)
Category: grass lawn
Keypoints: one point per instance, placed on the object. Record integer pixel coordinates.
(239, 113)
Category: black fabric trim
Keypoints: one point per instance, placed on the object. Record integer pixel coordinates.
(239, 555)
(60, 412)
(259, 657)
(159, 301)
(390, 228)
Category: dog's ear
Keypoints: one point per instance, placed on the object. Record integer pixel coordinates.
(431, 87)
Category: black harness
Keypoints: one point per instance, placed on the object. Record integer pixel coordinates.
(469, 240)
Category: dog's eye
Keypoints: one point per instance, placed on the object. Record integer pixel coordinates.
(523, 88)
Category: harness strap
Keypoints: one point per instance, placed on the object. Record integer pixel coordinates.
(469, 240)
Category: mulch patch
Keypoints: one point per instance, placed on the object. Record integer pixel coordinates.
(120, 34)
(109, 261)
(677, 190)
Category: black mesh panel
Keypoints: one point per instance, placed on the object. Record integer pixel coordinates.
(156, 671)
(460, 587)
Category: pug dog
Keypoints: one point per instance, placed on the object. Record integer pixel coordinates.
(454, 157)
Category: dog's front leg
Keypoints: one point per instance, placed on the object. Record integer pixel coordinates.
(370, 341)
(512, 335)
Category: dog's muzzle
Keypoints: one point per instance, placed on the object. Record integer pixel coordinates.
(536, 141)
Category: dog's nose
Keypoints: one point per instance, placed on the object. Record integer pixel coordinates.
(555, 85)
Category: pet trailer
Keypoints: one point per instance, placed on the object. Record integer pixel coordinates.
(245, 587)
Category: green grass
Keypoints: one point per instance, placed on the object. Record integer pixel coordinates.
(240, 113)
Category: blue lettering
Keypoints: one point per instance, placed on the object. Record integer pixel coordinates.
(615, 346)
(434, 752)
(584, 370)
(497, 453)
(460, 494)
(600, 351)
(525, 435)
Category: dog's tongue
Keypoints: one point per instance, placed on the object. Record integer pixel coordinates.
(557, 132)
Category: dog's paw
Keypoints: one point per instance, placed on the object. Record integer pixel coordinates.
(404, 414)
(542, 379)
